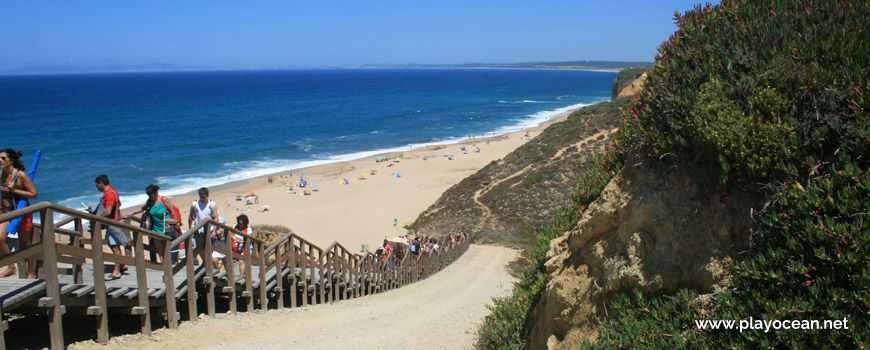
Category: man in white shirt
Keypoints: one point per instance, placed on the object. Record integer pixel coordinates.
(202, 209)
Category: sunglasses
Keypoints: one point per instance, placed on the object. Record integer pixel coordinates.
(3, 158)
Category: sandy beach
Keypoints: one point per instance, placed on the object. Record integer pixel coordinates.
(374, 204)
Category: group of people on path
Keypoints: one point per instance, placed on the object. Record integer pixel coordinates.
(418, 246)
(159, 215)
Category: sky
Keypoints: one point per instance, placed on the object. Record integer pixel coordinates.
(243, 34)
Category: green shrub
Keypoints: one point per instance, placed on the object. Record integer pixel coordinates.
(749, 139)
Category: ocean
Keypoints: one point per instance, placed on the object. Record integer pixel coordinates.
(185, 130)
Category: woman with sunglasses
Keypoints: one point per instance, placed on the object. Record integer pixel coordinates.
(15, 185)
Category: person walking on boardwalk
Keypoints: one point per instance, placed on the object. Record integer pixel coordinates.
(159, 209)
(243, 226)
(111, 203)
(202, 209)
(15, 185)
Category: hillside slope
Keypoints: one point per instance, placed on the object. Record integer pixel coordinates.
(503, 202)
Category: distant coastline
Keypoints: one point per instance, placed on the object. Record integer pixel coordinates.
(600, 66)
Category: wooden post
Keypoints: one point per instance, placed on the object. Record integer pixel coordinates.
(52, 288)
(76, 241)
(316, 265)
(246, 255)
(169, 284)
(191, 279)
(293, 282)
(208, 280)
(279, 273)
(305, 274)
(333, 274)
(229, 263)
(261, 254)
(100, 310)
(142, 283)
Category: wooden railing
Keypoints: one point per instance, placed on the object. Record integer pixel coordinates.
(301, 272)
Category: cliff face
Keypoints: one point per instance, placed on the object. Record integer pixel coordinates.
(509, 198)
(657, 233)
(628, 82)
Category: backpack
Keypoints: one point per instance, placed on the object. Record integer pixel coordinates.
(174, 212)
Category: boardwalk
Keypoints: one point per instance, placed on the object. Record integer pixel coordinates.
(441, 312)
(289, 273)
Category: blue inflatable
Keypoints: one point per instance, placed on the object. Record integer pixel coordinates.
(13, 225)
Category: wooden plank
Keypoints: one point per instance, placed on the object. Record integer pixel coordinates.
(118, 292)
(14, 293)
(32, 250)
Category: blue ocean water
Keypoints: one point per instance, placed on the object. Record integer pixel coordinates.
(185, 130)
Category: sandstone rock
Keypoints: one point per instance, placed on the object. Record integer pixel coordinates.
(648, 231)
(635, 86)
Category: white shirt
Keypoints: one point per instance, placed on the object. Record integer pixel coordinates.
(200, 213)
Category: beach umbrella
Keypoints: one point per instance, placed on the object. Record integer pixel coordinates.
(426, 158)
(374, 171)
(346, 182)
(399, 175)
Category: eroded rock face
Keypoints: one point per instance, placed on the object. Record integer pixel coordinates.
(635, 86)
(658, 233)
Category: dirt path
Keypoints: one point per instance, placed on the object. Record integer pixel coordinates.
(441, 312)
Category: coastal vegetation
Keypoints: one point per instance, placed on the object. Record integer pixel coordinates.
(764, 97)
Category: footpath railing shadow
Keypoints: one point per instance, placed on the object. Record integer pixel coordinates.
(291, 272)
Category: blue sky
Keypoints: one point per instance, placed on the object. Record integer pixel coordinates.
(326, 32)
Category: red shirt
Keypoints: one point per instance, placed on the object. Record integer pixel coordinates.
(110, 199)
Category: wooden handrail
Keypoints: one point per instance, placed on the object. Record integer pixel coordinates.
(325, 275)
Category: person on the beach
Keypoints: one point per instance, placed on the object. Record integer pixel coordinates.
(111, 202)
(242, 225)
(202, 209)
(14, 186)
(158, 208)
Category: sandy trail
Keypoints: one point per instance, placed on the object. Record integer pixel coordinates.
(441, 312)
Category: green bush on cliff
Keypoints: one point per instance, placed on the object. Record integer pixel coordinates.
(770, 95)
